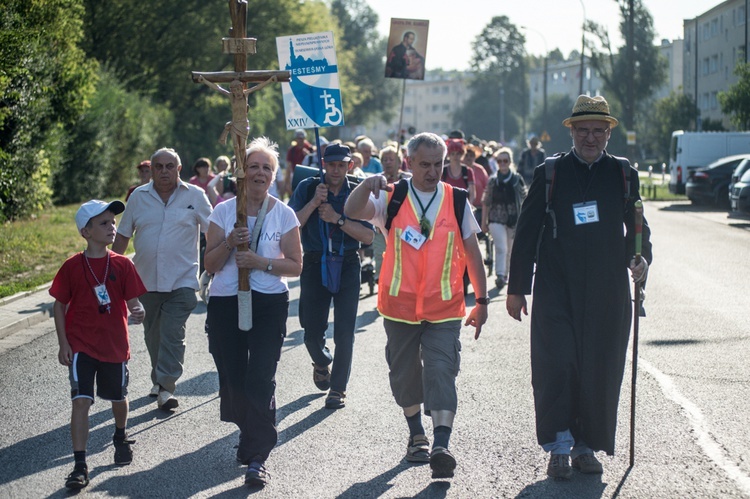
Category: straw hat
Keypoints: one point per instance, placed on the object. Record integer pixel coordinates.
(591, 108)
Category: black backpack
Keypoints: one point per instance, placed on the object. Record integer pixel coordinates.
(401, 189)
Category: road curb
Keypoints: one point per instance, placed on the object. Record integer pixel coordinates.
(30, 320)
(24, 294)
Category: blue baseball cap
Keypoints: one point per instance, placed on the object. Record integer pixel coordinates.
(337, 152)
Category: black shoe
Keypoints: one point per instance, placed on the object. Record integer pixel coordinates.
(123, 452)
(256, 474)
(78, 479)
(559, 467)
(442, 463)
(499, 282)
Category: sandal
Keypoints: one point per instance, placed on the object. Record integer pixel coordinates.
(321, 377)
(335, 400)
(78, 479)
(418, 450)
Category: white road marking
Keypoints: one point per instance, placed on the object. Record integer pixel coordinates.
(710, 446)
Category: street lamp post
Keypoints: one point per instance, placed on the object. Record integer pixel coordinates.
(502, 115)
(546, 59)
(583, 46)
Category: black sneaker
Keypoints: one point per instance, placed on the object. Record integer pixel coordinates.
(559, 467)
(256, 474)
(78, 478)
(123, 452)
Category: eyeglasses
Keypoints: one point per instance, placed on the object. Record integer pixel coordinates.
(170, 167)
(503, 160)
(598, 133)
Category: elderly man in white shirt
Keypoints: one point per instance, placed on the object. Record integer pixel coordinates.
(166, 216)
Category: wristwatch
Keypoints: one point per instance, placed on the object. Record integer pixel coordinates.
(340, 221)
(269, 268)
(483, 300)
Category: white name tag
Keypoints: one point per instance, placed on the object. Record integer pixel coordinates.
(585, 213)
(101, 294)
(413, 237)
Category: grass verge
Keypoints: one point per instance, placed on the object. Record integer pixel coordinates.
(32, 250)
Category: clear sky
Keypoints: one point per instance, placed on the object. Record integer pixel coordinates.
(455, 24)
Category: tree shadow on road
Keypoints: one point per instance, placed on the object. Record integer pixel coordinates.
(376, 486)
(183, 476)
(53, 448)
(579, 487)
(290, 433)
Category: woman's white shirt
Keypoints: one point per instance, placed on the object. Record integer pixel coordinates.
(280, 219)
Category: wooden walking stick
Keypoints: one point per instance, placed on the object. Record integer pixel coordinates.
(239, 128)
(636, 316)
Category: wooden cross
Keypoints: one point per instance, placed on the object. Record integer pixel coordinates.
(239, 128)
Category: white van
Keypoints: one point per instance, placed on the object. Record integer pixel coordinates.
(691, 150)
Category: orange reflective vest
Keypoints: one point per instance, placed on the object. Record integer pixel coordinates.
(424, 284)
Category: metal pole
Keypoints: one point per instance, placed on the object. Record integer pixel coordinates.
(630, 106)
(399, 138)
(583, 47)
(544, 85)
(502, 115)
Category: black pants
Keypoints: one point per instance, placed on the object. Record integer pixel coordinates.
(314, 310)
(246, 362)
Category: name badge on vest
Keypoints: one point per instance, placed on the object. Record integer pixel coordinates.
(585, 213)
(413, 237)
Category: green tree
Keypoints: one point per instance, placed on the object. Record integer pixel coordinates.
(45, 83)
(558, 108)
(675, 112)
(375, 97)
(735, 102)
(153, 46)
(709, 125)
(118, 131)
(499, 63)
(613, 65)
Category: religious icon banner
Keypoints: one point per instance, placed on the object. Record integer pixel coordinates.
(408, 42)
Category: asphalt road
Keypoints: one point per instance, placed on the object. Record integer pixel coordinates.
(691, 425)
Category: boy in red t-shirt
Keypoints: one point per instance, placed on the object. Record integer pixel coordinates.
(93, 292)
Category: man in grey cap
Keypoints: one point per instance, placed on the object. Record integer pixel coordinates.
(330, 270)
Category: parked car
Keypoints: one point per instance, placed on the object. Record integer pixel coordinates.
(737, 174)
(710, 185)
(739, 197)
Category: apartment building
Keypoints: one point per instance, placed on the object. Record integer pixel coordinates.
(563, 78)
(715, 42)
(429, 105)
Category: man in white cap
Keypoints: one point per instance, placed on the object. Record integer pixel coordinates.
(580, 323)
